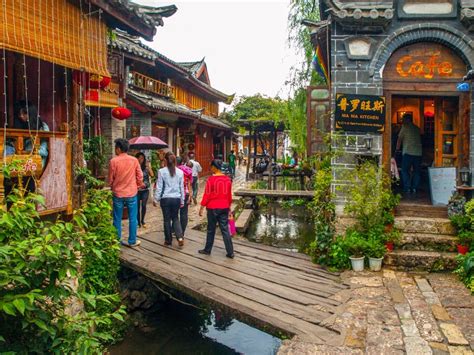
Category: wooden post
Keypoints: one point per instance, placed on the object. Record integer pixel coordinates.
(76, 142)
(249, 152)
(254, 149)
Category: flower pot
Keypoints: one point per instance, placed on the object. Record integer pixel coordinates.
(389, 246)
(375, 264)
(462, 249)
(357, 263)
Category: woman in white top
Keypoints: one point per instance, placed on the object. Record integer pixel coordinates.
(170, 193)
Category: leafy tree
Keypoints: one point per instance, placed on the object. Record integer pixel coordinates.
(299, 38)
(257, 107)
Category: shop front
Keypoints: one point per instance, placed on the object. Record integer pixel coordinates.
(424, 81)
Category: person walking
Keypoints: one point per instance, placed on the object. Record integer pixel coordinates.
(143, 193)
(125, 178)
(240, 157)
(196, 170)
(188, 190)
(170, 194)
(231, 159)
(410, 138)
(217, 199)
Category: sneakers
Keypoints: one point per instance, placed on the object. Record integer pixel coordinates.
(230, 256)
(204, 251)
(180, 242)
(136, 244)
(144, 226)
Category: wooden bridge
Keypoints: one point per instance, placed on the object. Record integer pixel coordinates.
(264, 286)
(274, 193)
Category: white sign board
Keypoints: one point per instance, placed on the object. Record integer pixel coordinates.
(442, 185)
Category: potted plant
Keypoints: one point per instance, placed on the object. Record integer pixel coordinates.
(391, 238)
(355, 245)
(375, 251)
(465, 239)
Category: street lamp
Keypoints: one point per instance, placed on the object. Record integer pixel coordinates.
(465, 176)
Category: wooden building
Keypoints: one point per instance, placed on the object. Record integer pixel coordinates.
(52, 53)
(410, 54)
(172, 101)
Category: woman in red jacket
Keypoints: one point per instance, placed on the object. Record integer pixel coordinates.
(217, 200)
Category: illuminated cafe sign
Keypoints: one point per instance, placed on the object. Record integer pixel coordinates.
(427, 67)
(360, 113)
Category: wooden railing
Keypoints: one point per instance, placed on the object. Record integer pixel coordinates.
(152, 85)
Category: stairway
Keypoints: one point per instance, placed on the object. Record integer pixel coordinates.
(428, 239)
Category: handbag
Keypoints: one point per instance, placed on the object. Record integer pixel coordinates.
(232, 229)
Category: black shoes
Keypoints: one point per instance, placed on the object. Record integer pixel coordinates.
(230, 256)
(204, 251)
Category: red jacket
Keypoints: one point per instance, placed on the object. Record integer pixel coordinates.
(218, 193)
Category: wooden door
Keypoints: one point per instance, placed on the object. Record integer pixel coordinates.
(447, 132)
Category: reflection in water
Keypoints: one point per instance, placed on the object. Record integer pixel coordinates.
(179, 329)
(289, 228)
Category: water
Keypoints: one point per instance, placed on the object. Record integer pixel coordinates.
(180, 329)
(287, 228)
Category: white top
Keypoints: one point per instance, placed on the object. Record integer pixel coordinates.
(196, 167)
(168, 186)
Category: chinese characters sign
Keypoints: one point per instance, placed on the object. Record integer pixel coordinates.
(360, 113)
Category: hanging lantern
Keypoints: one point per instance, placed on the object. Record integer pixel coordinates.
(98, 81)
(121, 113)
(91, 95)
(105, 81)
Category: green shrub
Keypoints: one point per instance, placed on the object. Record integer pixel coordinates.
(466, 238)
(465, 269)
(355, 243)
(375, 248)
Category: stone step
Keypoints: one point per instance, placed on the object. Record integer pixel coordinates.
(425, 225)
(427, 242)
(421, 260)
(415, 210)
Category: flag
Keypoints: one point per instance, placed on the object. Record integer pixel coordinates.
(318, 64)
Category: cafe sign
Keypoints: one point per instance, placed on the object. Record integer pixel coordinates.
(360, 113)
(424, 62)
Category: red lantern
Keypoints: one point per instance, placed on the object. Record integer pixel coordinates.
(105, 82)
(121, 113)
(92, 95)
(98, 81)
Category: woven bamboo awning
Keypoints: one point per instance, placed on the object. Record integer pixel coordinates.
(55, 31)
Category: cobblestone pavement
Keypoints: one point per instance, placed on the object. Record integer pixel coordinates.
(393, 312)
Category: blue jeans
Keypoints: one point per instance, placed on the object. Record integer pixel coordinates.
(131, 203)
(409, 161)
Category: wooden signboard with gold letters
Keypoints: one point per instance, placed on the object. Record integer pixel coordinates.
(425, 62)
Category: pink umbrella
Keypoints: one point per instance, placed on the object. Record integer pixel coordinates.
(147, 142)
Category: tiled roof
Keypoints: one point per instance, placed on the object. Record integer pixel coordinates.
(130, 44)
(192, 67)
(150, 15)
(160, 104)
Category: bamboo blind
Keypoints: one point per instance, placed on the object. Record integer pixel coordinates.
(55, 31)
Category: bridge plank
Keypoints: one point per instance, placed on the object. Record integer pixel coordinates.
(268, 271)
(261, 285)
(236, 272)
(274, 193)
(209, 287)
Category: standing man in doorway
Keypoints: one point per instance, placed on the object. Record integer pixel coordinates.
(125, 178)
(410, 138)
(196, 170)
